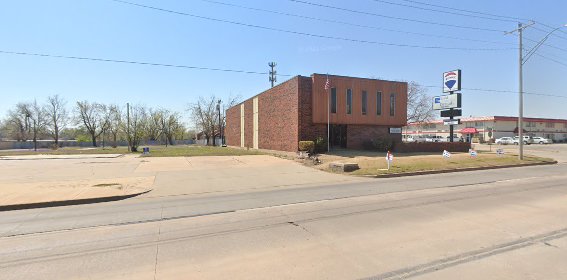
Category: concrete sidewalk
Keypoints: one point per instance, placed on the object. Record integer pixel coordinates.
(88, 177)
(43, 181)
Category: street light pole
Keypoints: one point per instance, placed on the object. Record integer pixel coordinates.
(522, 61)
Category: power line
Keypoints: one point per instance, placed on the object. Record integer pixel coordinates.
(553, 34)
(444, 12)
(351, 24)
(545, 44)
(136, 62)
(503, 91)
(464, 10)
(396, 18)
(308, 34)
(551, 59)
(131, 62)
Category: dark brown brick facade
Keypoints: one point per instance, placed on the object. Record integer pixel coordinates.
(285, 117)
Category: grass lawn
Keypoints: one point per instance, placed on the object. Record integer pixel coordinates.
(155, 151)
(377, 165)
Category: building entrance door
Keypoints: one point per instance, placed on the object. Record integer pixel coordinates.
(338, 135)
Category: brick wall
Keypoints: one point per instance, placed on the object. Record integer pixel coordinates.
(358, 134)
(232, 129)
(278, 117)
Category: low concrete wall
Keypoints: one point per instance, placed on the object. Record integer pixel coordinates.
(428, 147)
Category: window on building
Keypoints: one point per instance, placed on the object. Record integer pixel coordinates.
(392, 104)
(565, 125)
(349, 101)
(549, 125)
(334, 100)
(432, 126)
(364, 104)
(530, 124)
(379, 104)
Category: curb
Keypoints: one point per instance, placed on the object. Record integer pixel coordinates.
(67, 202)
(395, 175)
(61, 158)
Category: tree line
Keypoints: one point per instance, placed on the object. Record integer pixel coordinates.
(94, 121)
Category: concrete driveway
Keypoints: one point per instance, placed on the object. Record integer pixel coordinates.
(214, 174)
(37, 179)
(555, 151)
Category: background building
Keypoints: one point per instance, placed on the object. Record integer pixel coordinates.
(360, 110)
(494, 127)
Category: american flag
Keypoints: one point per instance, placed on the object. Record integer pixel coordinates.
(446, 154)
(327, 84)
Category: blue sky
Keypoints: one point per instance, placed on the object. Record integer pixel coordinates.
(112, 30)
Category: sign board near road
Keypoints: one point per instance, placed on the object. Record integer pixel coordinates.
(395, 130)
(452, 122)
(452, 81)
(450, 101)
(451, 113)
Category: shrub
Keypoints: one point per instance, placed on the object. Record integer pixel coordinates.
(320, 145)
(83, 138)
(383, 144)
(306, 146)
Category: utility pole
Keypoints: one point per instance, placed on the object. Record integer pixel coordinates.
(522, 61)
(220, 125)
(128, 126)
(272, 77)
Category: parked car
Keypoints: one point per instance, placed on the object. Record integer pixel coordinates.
(541, 140)
(527, 140)
(409, 139)
(505, 141)
(419, 139)
(455, 139)
(434, 138)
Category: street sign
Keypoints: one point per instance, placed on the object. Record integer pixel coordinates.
(450, 101)
(451, 113)
(452, 81)
(452, 122)
(395, 130)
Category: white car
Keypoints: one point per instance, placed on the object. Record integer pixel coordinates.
(541, 140)
(505, 141)
(527, 140)
(435, 138)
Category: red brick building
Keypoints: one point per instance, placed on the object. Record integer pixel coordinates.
(360, 110)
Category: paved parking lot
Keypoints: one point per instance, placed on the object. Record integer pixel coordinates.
(556, 151)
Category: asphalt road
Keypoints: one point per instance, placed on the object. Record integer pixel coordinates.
(496, 224)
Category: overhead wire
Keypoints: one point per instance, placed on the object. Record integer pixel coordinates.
(395, 17)
(444, 12)
(305, 33)
(352, 24)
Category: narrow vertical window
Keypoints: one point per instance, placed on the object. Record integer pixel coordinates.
(392, 104)
(349, 101)
(379, 103)
(334, 100)
(364, 97)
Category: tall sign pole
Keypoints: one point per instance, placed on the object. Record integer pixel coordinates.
(451, 84)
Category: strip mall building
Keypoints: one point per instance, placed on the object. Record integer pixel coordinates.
(360, 110)
(493, 127)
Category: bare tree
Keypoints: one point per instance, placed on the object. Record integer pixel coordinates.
(18, 123)
(39, 120)
(135, 126)
(420, 107)
(114, 123)
(169, 125)
(153, 126)
(92, 118)
(205, 115)
(57, 116)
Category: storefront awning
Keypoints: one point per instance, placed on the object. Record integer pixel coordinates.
(469, 130)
